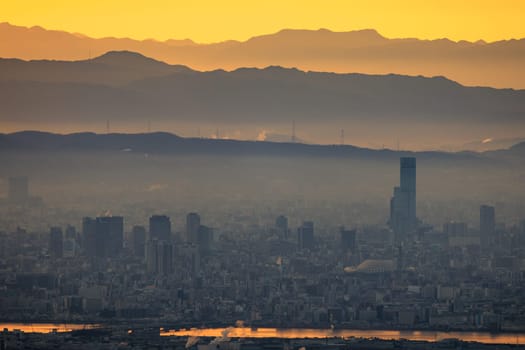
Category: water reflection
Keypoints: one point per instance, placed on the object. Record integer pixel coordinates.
(45, 327)
(244, 332)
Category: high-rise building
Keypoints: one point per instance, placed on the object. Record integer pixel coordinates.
(138, 241)
(281, 224)
(159, 257)
(110, 234)
(89, 236)
(305, 235)
(18, 191)
(56, 242)
(193, 222)
(103, 236)
(403, 219)
(160, 228)
(70, 242)
(487, 225)
(348, 240)
(204, 239)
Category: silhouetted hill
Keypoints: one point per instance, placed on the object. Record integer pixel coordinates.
(139, 168)
(372, 107)
(166, 143)
(497, 64)
(112, 68)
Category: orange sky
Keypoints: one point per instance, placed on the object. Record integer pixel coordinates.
(212, 20)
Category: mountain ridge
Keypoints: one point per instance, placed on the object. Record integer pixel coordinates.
(84, 93)
(161, 142)
(497, 64)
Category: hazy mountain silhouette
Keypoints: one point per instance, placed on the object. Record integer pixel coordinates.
(128, 88)
(112, 68)
(167, 143)
(94, 167)
(497, 64)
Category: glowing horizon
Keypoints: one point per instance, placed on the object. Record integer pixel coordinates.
(210, 21)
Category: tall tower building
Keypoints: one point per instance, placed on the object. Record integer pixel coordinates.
(89, 239)
(193, 222)
(138, 241)
(204, 239)
(408, 185)
(103, 236)
(281, 224)
(159, 257)
(487, 225)
(70, 242)
(56, 242)
(160, 228)
(109, 235)
(348, 240)
(18, 191)
(403, 219)
(305, 235)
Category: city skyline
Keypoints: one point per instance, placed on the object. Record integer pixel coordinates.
(238, 175)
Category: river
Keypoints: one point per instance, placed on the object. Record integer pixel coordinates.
(246, 332)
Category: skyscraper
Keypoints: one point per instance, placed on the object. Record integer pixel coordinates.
(348, 240)
(89, 236)
(160, 228)
(204, 239)
(70, 242)
(159, 257)
(487, 225)
(193, 222)
(403, 219)
(305, 235)
(56, 242)
(110, 235)
(103, 236)
(138, 241)
(18, 191)
(281, 224)
(408, 185)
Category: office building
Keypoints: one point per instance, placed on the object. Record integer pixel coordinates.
(89, 239)
(70, 242)
(159, 257)
(56, 242)
(193, 222)
(103, 236)
(205, 239)
(348, 240)
(160, 228)
(138, 241)
(281, 225)
(487, 226)
(305, 235)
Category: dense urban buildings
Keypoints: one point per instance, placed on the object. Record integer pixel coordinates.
(176, 270)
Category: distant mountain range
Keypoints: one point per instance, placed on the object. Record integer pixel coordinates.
(498, 64)
(127, 88)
